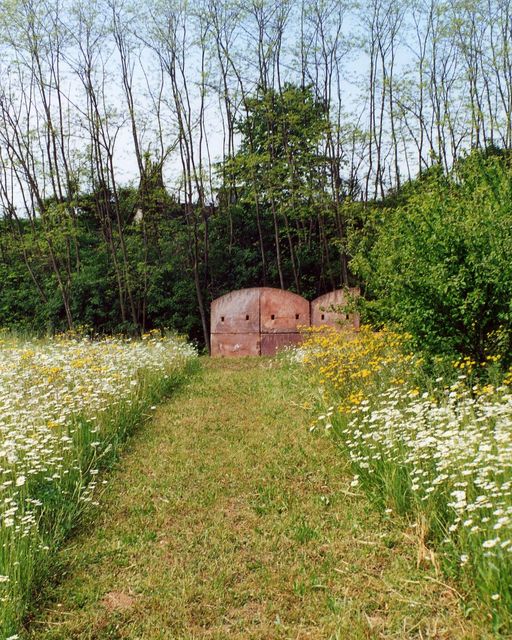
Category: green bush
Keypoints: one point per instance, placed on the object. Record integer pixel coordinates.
(438, 262)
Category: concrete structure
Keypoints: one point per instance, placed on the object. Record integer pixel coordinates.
(282, 313)
(325, 309)
(235, 324)
(262, 320)
(256, 321)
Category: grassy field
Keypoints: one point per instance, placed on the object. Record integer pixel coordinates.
(67, 406)
(227, 518)
(430, 444)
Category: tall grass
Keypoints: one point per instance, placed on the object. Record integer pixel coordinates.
(436, 449)
(66, 408)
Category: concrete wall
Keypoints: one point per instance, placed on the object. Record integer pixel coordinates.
(235, 324)
(325, 309)
(281, 315)
(257, 321)
(263, 320)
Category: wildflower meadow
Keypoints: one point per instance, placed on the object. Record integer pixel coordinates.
(66, 405)
(435, 448)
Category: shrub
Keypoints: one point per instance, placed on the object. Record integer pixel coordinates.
(438, 263)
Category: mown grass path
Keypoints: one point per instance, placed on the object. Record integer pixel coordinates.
(227, 519)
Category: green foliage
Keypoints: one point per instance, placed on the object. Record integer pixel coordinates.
(132, 259)
(433, 257)
(17, 296)
(275, 196)
(279, 157)
(438, 262)
(159, 274)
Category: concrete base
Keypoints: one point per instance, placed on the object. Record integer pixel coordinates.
(271, 343)
(235, 344)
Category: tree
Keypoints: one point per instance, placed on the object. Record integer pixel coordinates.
(281, 169)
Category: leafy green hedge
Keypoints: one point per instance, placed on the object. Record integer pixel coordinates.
(439, 262)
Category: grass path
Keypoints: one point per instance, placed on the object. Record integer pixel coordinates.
(228, 519)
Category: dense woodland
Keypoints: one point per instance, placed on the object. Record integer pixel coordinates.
(155, 155)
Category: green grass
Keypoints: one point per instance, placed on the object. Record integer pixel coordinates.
(54, 494)
(227, 519)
